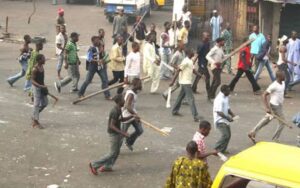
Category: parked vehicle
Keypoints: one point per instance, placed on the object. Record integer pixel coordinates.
(132, 8)
(265, 165)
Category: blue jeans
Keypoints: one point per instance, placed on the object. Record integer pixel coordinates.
(261, 66)
(21, 74)
(138, 131)
(93, 68)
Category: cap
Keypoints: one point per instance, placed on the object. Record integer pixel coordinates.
(215, 11)
(74, 34)
(60, 10)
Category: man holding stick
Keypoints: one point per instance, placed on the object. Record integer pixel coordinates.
(215, 57)
(185, 72)
(40, 90)
(176, 60)
(274, 106)
(202, 51)
(98, 59)
(222, 118)
(116, 138)
(129, 110)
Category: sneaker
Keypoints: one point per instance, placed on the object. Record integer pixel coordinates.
(198, 119)
(257, 92)
(176, 114)
(57, 87)
(93, 170)
(9, 83)
(74, 90)
(129, 146)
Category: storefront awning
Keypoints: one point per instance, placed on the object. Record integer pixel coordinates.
(285, 1)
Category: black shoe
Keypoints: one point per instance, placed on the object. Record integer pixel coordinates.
(9, 83)
(74, 90)
(176, 114)
(129, 146)
(164, 96)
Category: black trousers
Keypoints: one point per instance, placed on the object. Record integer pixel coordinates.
(216, 81)
(118, 76)
(250, 77)
(202, 71)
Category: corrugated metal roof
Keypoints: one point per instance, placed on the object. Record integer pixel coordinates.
(285, 1)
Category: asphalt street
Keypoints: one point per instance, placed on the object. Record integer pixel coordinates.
(76, 134)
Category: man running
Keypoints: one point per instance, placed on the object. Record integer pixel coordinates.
(185, 72)
(215, 57)
(116, 138)
(272, 106)
(129, 110)
(97, 59)
(23, 60)
(202, 51)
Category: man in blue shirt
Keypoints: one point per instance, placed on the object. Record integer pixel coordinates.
(257, 44)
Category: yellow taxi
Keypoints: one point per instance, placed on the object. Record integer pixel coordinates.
(265, 165)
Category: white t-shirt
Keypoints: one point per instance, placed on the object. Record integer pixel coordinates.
(276, 91)
(59, 39)
(133, 63)
(186, 73)
(125, 112)
(221, 104)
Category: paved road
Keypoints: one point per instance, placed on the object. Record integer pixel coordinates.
(75, 135)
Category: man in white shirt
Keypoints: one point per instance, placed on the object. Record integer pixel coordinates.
(152, 63)
(185, 72)
(133, 64)
(215, 24)
(60, 41)
(274, 106)
(215, 57)
(222, 117)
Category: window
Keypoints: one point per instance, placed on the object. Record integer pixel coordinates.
(239, 182)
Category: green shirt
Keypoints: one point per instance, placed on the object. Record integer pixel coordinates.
(71, 50)
(227, 35)
(32, 62)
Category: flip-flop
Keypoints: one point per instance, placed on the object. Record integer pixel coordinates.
(93, 170)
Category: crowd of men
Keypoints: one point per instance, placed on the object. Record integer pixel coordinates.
(168, 59)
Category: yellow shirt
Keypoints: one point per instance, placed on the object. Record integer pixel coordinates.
(183, 35)
(187, 173)
(117, 58)
(186, 73)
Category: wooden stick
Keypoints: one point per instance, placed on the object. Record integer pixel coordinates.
(154, 128)
(281, 120)
(101, 91)
(237, 49)
(131, 34)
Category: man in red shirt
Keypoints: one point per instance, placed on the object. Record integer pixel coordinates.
(244, 66)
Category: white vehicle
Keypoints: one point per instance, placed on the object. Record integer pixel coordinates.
(132, 8)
